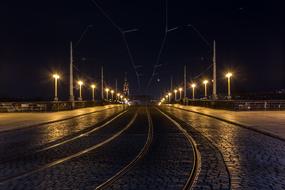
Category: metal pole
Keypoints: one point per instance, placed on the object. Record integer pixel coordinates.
(55, 90)
(80, 95)
(229, 87)
(116, 86)
(193, 93)
(93, 94)
(205, 90)
(71, 95)
(185, 94)
(171, 84)
(102, 83)
(214, 72)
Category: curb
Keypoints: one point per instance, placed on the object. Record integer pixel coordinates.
(234, 123)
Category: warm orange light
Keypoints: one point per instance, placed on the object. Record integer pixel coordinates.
(112, 91)
(93, 86)
(205, 82)
(107, 89)
(180, 89)
(175, 91)
(80, 83)
(229, 75)
(56, 76)
(193, 85)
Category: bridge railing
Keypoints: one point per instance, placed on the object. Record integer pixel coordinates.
(239, 105)
(44, 106)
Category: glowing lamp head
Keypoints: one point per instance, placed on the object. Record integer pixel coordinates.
(166, 96)
(169, 94)
(205, 82)
(193, 85)
(121, 96)
(80, 83)
(180, 89)
(107, 89)
(229, 75)
(118, 94)
(112, 91)
(93, 86)
(56, 76)
(175, 91)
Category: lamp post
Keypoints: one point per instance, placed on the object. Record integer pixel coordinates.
(56, 77)
(180, 93)
(193, 91)
(175, 93)
(229, 75)
(118, 96)
(112, 94)
(107, 93)
(205, 82)
(80, 83)
(169, 95)
(93, 91)
(121, 97)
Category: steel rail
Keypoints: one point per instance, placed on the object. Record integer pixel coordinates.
(70, 157)
(128, 167)
(196, 155)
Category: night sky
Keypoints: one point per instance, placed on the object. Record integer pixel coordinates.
(35, 36)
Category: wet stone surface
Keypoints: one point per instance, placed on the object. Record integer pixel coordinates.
(254, 160)
(15, 142)
(168, 163)
(91, 169)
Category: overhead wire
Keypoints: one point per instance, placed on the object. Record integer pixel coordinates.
(122, 32)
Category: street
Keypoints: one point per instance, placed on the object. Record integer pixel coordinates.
(141, 147)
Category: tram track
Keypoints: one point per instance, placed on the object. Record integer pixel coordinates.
(72, 156)
(130, 165)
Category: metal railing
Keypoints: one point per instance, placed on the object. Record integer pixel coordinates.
(239, 105)
(44, 106)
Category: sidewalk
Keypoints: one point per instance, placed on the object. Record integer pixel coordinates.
(9, 121)
(269, 122)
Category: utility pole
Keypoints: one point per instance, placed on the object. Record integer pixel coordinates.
(71, 95)
(116, 86)
(102, 83)
(171, 84)
(215, 97)
(185, 80)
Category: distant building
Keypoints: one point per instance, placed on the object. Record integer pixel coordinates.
(126, 90)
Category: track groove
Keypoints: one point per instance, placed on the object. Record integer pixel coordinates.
(80, 153)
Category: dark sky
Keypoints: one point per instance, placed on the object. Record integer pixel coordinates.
(35, 35)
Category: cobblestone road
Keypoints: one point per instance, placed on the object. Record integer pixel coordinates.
(168, 163)
(17, 141)
(254, 160)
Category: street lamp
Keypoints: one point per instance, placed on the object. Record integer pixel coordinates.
(229, 75)
(56, 77)
(107, 93)
(80, 83)
(118, 96)
(112, 93)
(193, 91)
(166, 97)
(93, 86)
(169, 95)
(175, 92)
(205, 82)
(121, 97)
(180, 92)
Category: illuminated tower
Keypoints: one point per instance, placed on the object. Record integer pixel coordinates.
(126, 86)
